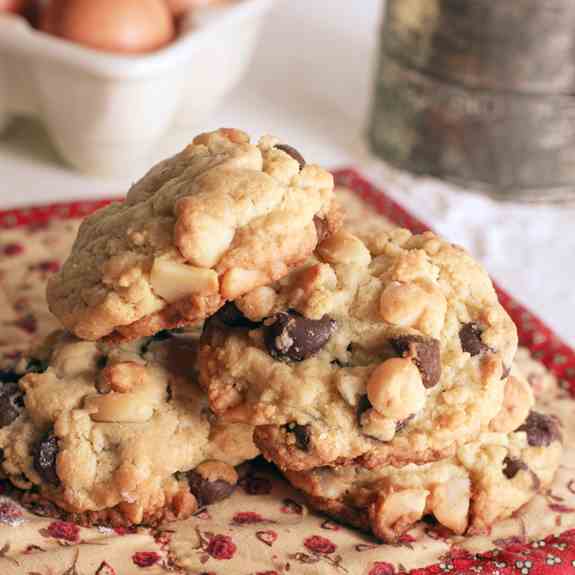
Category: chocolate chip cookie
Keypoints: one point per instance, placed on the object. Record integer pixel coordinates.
(119, 435)
(394, 354)
(217, 220)
(485, 481)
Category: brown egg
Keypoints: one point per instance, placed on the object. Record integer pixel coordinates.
(13, 5)
(124, 26)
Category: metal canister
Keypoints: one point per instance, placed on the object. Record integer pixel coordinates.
(480, 92)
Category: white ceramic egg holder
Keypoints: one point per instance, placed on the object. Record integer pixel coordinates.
(103, 111)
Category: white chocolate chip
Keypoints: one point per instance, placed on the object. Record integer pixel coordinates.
(449, 503)
(173, 280)
(208, 240)
(402, 304)
(517, 402)
(258, 303)
(376, 425)
(395, 389)
(344, 248)
(350, 384)
(419, 304)
(238, 281)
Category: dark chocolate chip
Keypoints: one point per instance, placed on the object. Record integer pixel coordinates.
(231, 316)
(512, 466)
(425, 354)
(207, 492)
(362, 406)
(162, 335)
(45, 453)
(36, 366)
(506, 372)
(429, 519)
(11, 403)
(159, 336)
(290, 151)
(302, 435)
(470, 337)
(541, 429)
(321, 228)
(292, 337)
(9, 376)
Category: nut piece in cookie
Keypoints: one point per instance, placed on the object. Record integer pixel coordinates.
(218, 220)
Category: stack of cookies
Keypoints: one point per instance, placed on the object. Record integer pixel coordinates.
(223, 310)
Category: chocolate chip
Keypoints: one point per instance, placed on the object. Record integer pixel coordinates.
(163, 335)
(292, 337)
(45, 453)
(429, 519)
(470, 337)
(290, 151)
(321, 228)
(207, 492)
(101, 362)
(9, 376)
(302, 435)
(506, 372)
(425, 354)
(11, 402)
(36, 366)
(512, 466)
(362, 406)
(541, 429)
(231, 316)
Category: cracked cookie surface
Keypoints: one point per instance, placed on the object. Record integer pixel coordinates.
(485, 481)
(394, 354)
(119, 435)
(215, 221)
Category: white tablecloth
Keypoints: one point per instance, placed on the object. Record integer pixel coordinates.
(311, 83)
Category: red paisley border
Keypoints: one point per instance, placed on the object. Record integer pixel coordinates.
(555, 554)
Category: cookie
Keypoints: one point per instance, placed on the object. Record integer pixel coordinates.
(394, 354)
(484, 482)
(215, 221)
(119, 435)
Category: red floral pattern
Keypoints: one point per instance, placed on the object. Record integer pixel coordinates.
(221, 547)
(63, 530)
(145, 558)
(319, 544)
(247, 518)
(267, 536)
(382, 568)
(105, 569)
